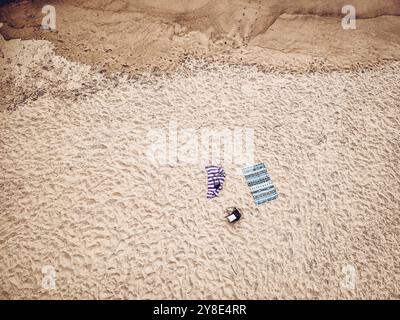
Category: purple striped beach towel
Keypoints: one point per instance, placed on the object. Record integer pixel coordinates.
(215, 180)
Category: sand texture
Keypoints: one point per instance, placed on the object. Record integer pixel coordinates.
(158, 35)
(80, 193)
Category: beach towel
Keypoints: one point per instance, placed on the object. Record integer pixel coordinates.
(215, 181)
(260, 183)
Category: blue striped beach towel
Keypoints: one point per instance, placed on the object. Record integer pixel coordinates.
(260, 183)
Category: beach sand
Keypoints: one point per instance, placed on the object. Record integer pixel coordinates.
(80, 193)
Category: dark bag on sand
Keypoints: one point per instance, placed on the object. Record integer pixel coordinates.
(233, 215)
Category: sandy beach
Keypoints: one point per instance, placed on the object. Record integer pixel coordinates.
(83, 192)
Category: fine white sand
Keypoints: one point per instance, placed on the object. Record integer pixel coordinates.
(79, 193)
